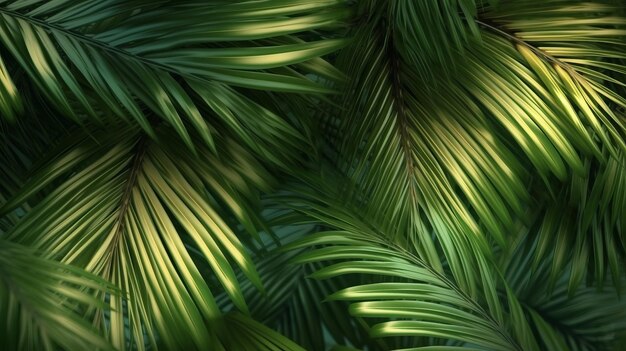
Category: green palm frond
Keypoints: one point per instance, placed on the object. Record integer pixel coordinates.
(367, 250)
(426, 164)
(454, 159)
(42, 301)
(562, 319)
(422, 303)
(143, 205)
(406, 296)
(10, 100)
(168, 56)
(295, 305)
(583, 224)
(573, 57)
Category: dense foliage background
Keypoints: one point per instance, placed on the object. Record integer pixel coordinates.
(312, 174)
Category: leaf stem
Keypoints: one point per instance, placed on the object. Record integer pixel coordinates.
(139, 153)
(397, 93)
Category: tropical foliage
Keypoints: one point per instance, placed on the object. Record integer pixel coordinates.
(312, 175)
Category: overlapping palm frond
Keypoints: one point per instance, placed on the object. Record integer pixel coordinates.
(42, 302)
(143, 205)
(176, 59)
(585, 319)
(462, 184)
(576, 60)
(421, 302)
(576, 51)
(296, 305)
(405, 296)
(583, 225)
(423, 156)
(455, 159)
(362, 248)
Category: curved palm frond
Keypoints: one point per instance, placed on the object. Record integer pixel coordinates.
(368, 251)
(454, 159)
(423, 163)
(295, 305)
(422, 303)
(170, 56)
(128, 209)
(583, 224)
(572, 57)
(42, 301)
(585, 319)
(408, 297)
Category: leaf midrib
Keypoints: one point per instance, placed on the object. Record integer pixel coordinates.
(393, 72)
(139, 151)
(512, 37)
(452, 286)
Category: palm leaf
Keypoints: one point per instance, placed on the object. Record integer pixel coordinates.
(143, 204)
(426, 304)
(365, 250)
(562, 319)
(454, 159)
(425, 164)
(583, 224)
(136, 51)
(572, 58)
(41, 302)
